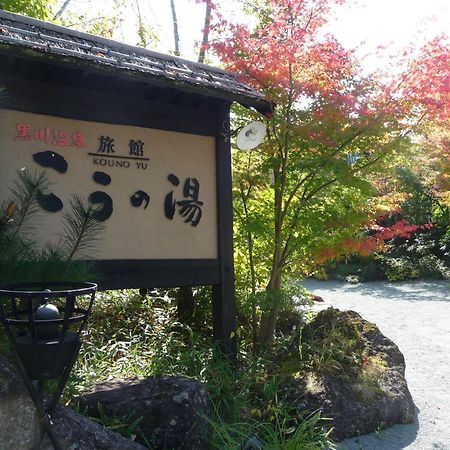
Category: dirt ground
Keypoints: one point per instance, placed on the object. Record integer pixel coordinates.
(416, 316)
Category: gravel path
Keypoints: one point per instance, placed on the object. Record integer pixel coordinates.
(416, 316)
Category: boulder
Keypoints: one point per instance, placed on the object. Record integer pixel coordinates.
(173, 411)
(17, 412)
(375, 397)
(18, 421)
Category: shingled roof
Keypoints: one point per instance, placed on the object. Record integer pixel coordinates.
(24, 35)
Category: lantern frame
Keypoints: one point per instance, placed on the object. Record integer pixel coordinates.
(45, 349)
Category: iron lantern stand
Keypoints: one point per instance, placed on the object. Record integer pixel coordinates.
(43, 322)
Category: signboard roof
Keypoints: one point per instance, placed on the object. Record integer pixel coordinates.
(20, 34)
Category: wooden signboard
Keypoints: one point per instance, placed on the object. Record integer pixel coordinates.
(153, 190)
(142, 137)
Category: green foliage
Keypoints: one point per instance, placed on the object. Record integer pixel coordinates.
(82, 230)
(25, 206)
(130, 335)
(385, 266)
(101, 22)
(332, 345)
(40, 9)
(292, 299)
(425, 254)
(414, 258)
(311, 222)
(291, 296)
(293, 199)
(418, 207)
(423, 204)
(398, 269)
(22, 257)
(127, 426)
(280, 435)
(362, 268)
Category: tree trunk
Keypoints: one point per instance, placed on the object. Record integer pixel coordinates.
(62, 9)
(176, 36)
(185, 305)
(245, 197)
(205, 40)
(269, 318)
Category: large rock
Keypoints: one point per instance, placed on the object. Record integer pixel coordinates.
(17, 412)
(18, 418)
(376, 397)
(173, 410)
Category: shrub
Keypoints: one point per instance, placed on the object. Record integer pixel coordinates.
(131, 335)
(398, 269)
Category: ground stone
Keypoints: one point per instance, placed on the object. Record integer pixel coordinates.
(173, 410)
(354, 408)
(18, 418)
(17, 412)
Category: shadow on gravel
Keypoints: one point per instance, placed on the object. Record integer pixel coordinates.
(414, 291)
(394, 438)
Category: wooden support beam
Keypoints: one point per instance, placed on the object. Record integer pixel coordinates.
(224, 305)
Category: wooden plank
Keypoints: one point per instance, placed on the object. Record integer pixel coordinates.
(122, 274)
(108, 107)
(224, 305)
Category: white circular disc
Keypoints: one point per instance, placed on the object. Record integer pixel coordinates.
(251, 135)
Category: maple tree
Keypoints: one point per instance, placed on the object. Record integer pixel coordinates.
(311, 185)
(433, 161)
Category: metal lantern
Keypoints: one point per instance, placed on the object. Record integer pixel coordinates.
(43, 323)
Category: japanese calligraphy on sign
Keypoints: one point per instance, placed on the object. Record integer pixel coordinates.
(61, 138)
(154, 190)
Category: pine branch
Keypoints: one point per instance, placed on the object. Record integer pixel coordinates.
(24, 197)
(81, 230)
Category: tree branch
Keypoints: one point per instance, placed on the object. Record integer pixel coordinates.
(176, 36)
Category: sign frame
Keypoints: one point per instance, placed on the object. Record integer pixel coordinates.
(36, 96)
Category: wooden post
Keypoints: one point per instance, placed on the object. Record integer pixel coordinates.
(223, 295)
(185, 304)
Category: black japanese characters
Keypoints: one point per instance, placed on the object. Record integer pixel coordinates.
(106, 145)
(101, 178)
(49, 202)
(51, 159)
(138, 198)
(136, 148)
(105, 209)
(105, 202)
(191, 207)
